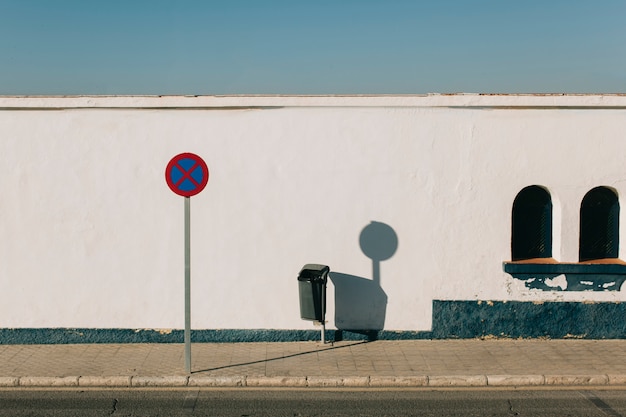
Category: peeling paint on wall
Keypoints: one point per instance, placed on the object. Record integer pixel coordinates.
(514, 319)
(569, 277)
(487, 319)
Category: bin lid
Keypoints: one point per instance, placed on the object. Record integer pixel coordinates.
(313, 272)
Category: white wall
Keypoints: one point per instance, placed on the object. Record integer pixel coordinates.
(91, 236)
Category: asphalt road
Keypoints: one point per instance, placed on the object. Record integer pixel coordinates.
(296, 403)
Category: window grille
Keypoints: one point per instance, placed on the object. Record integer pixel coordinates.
(599, 225)
(531, 235)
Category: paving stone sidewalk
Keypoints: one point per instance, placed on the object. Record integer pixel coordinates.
(419, 363)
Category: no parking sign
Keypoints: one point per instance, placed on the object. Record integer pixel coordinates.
(187, 174)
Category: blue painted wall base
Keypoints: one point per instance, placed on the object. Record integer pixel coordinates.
(451, 320)
(71, 336)
(515, 319)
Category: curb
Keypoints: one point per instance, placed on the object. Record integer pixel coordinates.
(418, 381)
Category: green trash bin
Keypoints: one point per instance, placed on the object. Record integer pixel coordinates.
(312, 288)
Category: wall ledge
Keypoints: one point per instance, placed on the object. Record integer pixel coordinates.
(596, 275)
(600, 266)
(247, 102)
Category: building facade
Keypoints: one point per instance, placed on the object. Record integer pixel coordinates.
(439, 216)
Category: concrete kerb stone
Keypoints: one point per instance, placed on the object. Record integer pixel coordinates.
(329, 382)
(457, 381)
(159, 381)
(616, 379)
(398, 381)
(104, 381)
(276, 381)
(48, 381)
(515, 380)
(9, 381)
(577, 379)
(217, 381)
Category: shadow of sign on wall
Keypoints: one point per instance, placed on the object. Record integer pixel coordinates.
(361, 303)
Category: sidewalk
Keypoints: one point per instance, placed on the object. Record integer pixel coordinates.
(418, 363)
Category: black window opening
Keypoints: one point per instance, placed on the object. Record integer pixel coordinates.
(531, 234)
(599, 225)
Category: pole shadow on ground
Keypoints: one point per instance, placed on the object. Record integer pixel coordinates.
(293, 355)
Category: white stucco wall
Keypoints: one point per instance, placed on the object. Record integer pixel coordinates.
(91, 236)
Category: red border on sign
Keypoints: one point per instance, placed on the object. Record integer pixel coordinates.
(186, 174)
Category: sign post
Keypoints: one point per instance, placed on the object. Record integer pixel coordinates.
(188, 284)
(187, 174)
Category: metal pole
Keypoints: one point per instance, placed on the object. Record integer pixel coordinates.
(324, 313)
(187, 286)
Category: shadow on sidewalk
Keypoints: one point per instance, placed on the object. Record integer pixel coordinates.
(235, 365)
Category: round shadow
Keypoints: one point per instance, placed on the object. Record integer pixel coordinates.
(378, 241)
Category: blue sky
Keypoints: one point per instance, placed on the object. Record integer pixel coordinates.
(311, 46)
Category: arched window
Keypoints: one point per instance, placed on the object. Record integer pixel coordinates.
(531, 234)
(599, 225)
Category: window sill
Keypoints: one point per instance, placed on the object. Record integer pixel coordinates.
(595, 275)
